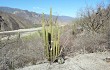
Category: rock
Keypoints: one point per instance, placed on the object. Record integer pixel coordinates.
(93, 61)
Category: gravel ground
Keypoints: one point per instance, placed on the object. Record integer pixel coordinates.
(93, 61)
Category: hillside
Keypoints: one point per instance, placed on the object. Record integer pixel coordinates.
(12, 22)
(84, 45)
(33, 17)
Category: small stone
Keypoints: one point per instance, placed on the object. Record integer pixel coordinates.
(61, 60)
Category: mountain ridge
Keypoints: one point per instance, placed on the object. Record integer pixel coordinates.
(20, 19)
(33, 16)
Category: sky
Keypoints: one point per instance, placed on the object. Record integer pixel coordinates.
(59, 7)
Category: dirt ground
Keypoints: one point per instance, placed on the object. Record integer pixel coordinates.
(92, 61)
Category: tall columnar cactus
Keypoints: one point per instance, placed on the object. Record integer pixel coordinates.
(51, 38)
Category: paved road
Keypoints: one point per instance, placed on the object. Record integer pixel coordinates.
(23, 30)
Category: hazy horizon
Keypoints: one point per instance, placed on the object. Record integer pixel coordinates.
(61, 8)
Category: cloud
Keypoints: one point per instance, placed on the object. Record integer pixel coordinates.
(38, 8)
(34, 7)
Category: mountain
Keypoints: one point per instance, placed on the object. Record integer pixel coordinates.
(12, 22)
(31, 16)
(17, 18)
(35, 18)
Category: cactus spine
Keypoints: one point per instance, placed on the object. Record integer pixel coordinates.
(51, 38)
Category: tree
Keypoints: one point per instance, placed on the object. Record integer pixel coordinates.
(94, 20)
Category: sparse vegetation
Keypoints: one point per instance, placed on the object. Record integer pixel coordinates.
(21, 51)
(95, 20)
(89, 35)
(91, 31)
(31, 36)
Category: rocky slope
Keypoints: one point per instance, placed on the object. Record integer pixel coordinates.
(12, 22)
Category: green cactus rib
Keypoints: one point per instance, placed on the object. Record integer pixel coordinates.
(44, 34)
(58, 40)
(51, 38)
(47, 48)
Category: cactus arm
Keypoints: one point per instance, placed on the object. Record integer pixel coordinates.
(47, 45)
(44, 34)
(58, 40)
(50, 20)
(43, 28)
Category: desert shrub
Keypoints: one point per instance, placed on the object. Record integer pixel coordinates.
(95, 19)
(32, 35)
(76, 28)
(66, 39)
(20, 52)
(94, 35)
(88, 42)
